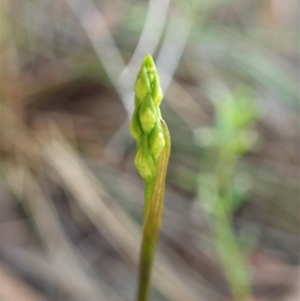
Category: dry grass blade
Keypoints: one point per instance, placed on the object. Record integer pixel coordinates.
(77, 278)
(170, 55)
(149, 38)
(14, 289)
(103, 43)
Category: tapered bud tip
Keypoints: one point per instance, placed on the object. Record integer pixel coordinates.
(142, 85)
(148, 62)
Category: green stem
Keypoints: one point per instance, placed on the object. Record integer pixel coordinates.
(231, 257)
(149, 188)
(225, 240)
(152, 218)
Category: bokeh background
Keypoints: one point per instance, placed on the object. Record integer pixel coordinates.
(71, 200)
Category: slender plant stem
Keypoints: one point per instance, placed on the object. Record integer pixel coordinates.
(152, 219)
(231, 257)
(149, 188)
(225, 240)
(151, 160)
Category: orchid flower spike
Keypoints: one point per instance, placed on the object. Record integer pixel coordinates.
(145, 125)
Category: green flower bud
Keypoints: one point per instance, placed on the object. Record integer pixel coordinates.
(142, 84)
(150, 77)
(135, 125)
(143, 160)
(156, 140)
(149, 64)
(147, 115)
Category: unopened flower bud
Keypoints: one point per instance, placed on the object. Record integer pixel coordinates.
(143, 160)
(142, 84)
(156, 140)
(148, 115)
(157, 94)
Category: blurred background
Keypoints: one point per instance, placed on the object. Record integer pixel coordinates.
(71, 200)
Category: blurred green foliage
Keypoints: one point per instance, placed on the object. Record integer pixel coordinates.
(220, 188)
